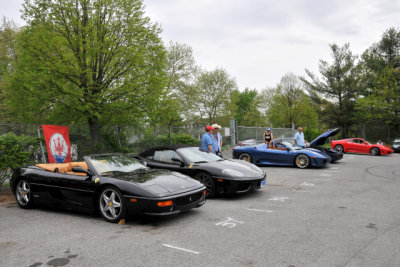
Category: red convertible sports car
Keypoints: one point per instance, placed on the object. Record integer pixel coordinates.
(359, 145)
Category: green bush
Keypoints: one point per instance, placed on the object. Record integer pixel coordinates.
(14, 152)
(310, 134)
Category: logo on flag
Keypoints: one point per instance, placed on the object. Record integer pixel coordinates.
(58, 147)
(57, 142)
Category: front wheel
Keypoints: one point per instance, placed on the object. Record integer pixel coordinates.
(23, 194)
(245, 157)
(375, 151)
(339, 148)
(112, 205)
(207, 181)
(302, 161)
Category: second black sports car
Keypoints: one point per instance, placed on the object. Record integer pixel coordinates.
(217, 174)
(114, 184)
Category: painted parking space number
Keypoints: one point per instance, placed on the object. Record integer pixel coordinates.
(229, 222)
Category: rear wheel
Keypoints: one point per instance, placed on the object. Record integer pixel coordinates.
(112, 205)
(339, 148)
(245, 157)
(302, 161)
(23, 194)
(375, 151)
(207, 181)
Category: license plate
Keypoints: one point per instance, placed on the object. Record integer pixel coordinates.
(263, 183)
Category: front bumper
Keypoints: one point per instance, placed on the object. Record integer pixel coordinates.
(238, 186)
(181, 203)
(318, 162)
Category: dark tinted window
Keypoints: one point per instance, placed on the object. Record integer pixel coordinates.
(166, 156)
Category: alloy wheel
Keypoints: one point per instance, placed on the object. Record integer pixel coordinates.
(23, 193)
(302, 161)
(110, 204)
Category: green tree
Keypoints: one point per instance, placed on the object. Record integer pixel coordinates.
(8, 59)
(380, 98)
(88, 61)
(212, 103)
(339, 85)
(291, 105)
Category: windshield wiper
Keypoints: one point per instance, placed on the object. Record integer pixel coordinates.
(201, 161)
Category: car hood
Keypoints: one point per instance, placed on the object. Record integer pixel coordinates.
(247, 170)
(320, 140)
(160, 182)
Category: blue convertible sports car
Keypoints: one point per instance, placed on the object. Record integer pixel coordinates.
(284, 155)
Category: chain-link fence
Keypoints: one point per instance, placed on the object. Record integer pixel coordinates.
(256, 133)
(87, 140)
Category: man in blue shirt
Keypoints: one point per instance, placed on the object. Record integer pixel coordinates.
(299, 138)
(218, 138)
(207, 140)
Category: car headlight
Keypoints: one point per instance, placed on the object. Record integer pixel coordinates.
(230, 172)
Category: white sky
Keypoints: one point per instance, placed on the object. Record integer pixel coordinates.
(258, 41)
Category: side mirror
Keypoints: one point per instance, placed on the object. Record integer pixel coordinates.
(365, 143)
(81, 170)
(176, 159)
(288, 149)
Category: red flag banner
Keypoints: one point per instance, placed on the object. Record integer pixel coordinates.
(57, 143)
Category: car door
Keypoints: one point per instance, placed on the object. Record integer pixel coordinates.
(364, 146)
(272, 156)
(69, 190)
(358, 145)
(350, 146)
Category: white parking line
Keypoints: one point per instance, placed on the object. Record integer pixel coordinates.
(259, 210)
(325, 174)
(186, 250)
(307, 184)
(281, 199)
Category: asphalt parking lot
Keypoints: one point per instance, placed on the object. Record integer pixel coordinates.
(346, 214)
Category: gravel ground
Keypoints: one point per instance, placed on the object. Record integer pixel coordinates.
(343, 215)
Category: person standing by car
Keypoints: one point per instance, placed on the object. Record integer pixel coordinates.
(268, 138)
(218, 138)
(206, 140)
(299, 138)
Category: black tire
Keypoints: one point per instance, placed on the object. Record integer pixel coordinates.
(302, 161)
(374, 151)
(245, 157)
(23, 194)
(111, 204)
(339, 148)
(207, 181)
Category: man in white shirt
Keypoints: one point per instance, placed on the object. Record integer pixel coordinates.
(299, 138)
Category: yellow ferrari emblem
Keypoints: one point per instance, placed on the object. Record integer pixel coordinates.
(96, 180)
(190, 166)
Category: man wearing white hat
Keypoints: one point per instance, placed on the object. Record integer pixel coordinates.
(218, 138)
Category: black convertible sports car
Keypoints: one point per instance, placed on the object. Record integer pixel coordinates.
(114, 184)
(217, 174)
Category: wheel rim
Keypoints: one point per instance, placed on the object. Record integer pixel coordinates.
(245, 157)
(110, 204)
(206, 181)
(339, 148)
(23, 192)
(374, 151)
(302, 161)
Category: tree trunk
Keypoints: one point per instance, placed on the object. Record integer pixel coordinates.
(94, 128)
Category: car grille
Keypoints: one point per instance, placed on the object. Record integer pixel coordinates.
(243, 186)
(182, 201)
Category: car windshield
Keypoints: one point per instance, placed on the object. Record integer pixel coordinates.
(396, 143)
(288, 144)
(195, 155)
(116, 163)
